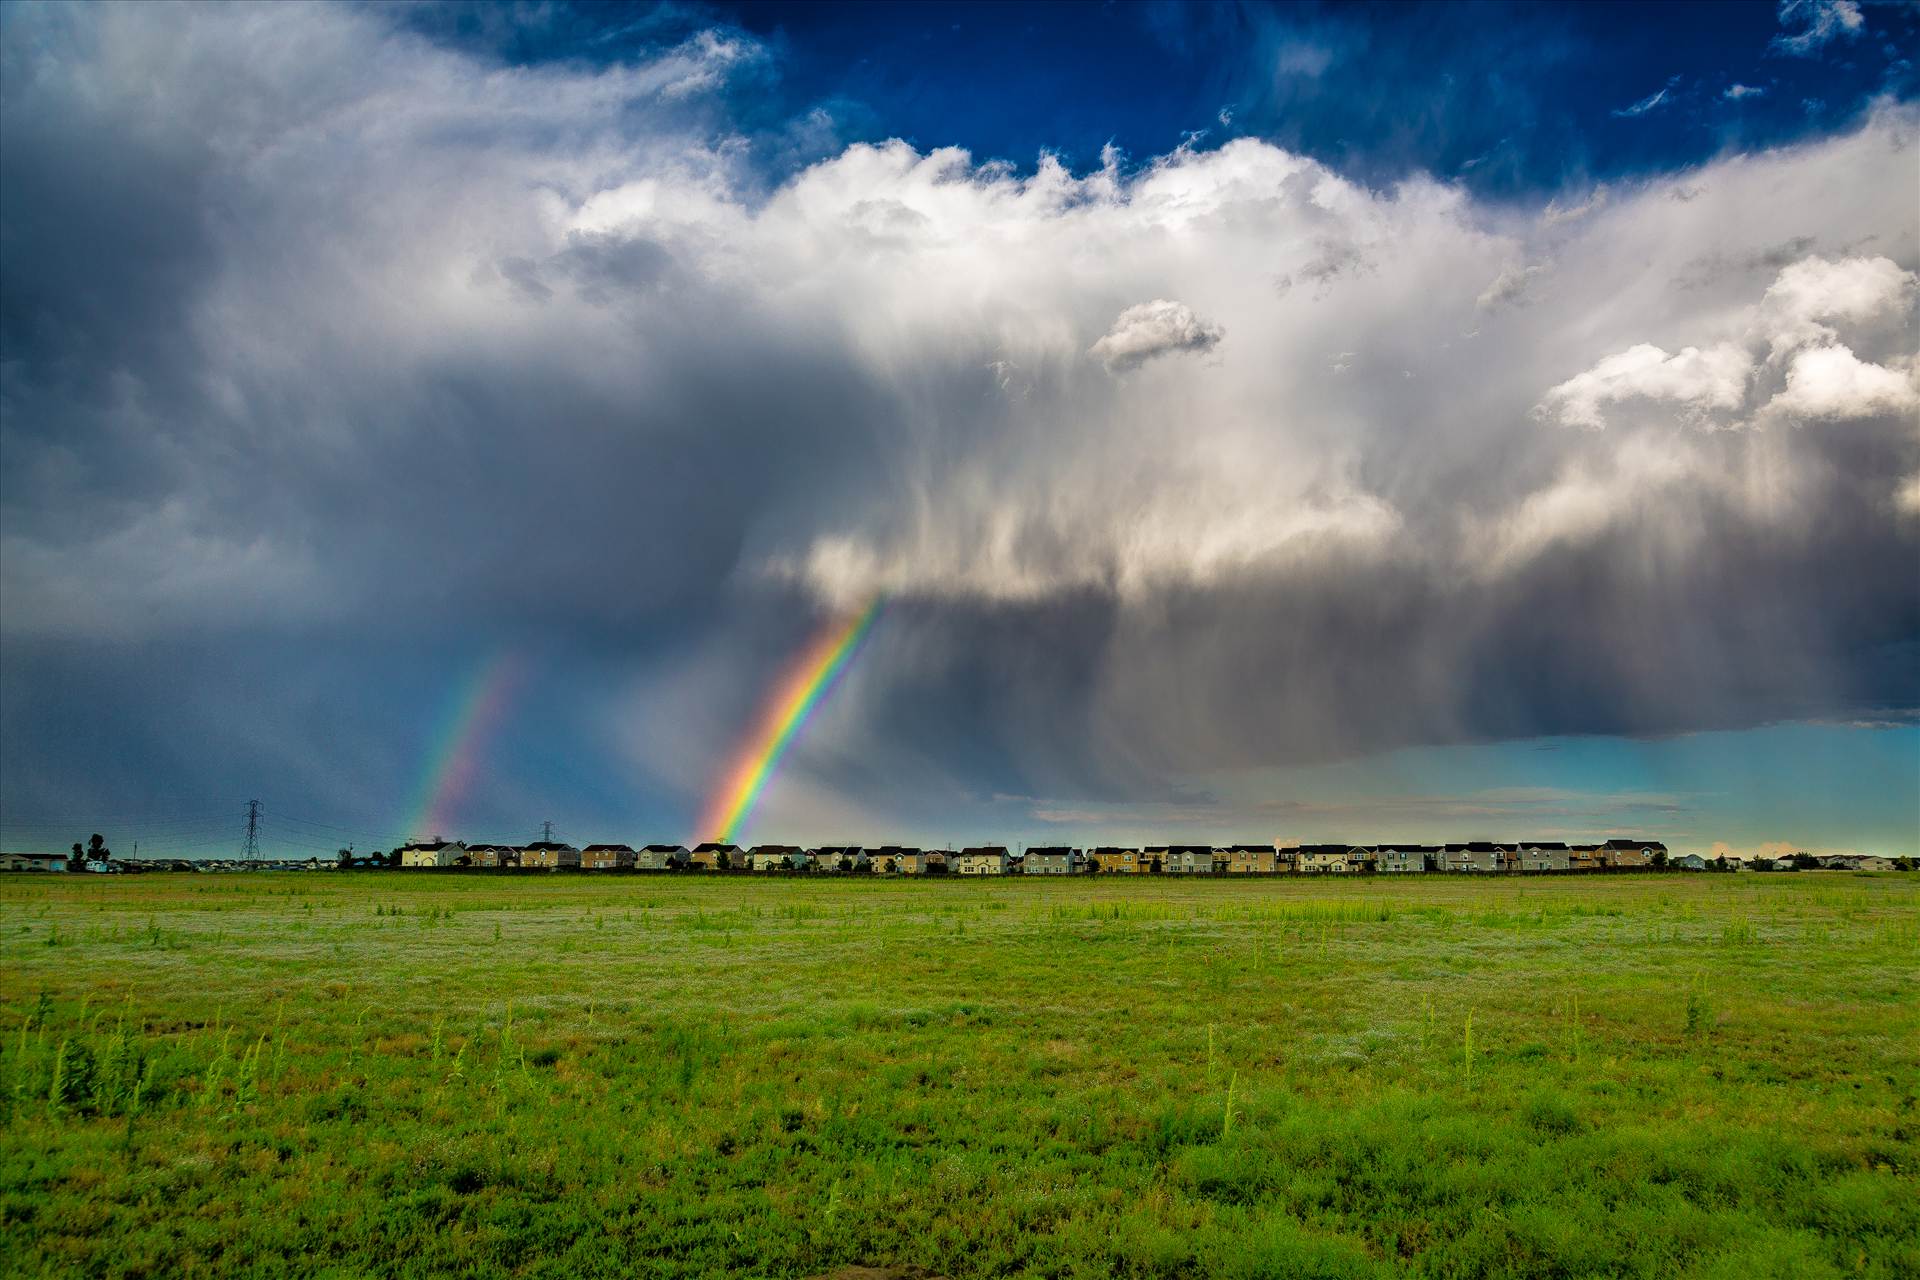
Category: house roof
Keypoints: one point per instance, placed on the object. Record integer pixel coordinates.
(777, 850)
(985, 850)
(666, 848)
(1634, 844)
(1191, 848)
(1112, 848)
(1051, 851)
(543, 846)
(604, 848)
(1543, 844)
(1252, 848)
(711, 847)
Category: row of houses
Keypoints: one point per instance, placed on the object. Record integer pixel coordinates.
(1473, 857)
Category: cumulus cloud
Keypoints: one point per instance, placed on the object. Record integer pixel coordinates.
(1799, 310)
(311, 328)
(1694, 379)
(1811, 25)
(1736, 92)
(1152, 329)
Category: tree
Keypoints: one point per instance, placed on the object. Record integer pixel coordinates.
(1659, 859)
(77, 860)
(97, 850)
(1804, 861)
(722, 862)
(346, 858)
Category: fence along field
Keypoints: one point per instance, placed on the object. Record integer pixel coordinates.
(372, 1074)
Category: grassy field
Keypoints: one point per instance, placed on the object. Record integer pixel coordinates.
(411, 1074)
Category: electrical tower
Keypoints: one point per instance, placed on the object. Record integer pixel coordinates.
(546, 832)
(253, 830)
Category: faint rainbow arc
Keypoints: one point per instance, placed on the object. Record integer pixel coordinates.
(795, 696)
(454, 759)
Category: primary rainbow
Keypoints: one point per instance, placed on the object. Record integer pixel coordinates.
(793, 699)
(454, 760)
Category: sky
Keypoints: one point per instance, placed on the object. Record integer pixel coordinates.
(1298, 422)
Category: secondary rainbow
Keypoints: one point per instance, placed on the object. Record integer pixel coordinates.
(456, 755)
(793, 699)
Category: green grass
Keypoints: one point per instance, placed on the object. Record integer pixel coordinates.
(382, 1073)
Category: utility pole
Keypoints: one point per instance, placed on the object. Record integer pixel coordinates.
(253, 830)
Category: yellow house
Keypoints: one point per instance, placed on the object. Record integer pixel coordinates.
(1115, 861)
(1252, 860)
(432, 853)
(985, 860)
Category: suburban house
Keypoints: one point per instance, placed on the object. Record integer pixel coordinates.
(1477, 856)
(607, 857)
(1322, 859)
(1544, 855)
(1689, 862)
(492, 855)
(716, 857)
(894, 859)
(776, 857)
(550, 855)
(1188, 860)
(1585, 857)
(1252, 860)
(1050, 860)
(920, 862)
(33, 862)
(432, 853)
(985, 860)
(1627, 854)
(1400, 859)
(1110, 860)
(1858, 862)
(842, 857)
(660, 857)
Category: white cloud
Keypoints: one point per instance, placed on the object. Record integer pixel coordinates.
(1832, 384)
(1151, 329)
(1813, 24)
(1699, 380)
(1827, 382)
(1815, 290)
(1652, 102)
(1736, 91)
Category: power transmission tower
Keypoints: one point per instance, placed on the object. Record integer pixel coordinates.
(546, 832)
(253, 830)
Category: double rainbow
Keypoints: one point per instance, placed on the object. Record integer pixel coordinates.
(793, 699)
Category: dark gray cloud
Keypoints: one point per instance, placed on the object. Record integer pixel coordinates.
(332, 359)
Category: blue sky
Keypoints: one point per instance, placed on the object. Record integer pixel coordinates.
(1347, 421)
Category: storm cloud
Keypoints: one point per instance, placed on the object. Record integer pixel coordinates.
(312, 328)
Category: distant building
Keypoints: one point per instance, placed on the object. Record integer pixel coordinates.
(776, 857)
(851, 857)
(1252, 860)
(1689, 862)
(492, 855)
(1544, 855)
(1403, 859)
(716, 857)
(607, 857)
(1322, 859)
(432, 853)
(1585, 857)
(1113, 860)
(1050, 860)
(1626, 855)
(33, 862)
(1188, 860)
(550, 855)
(660, 857)
(984, 860)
